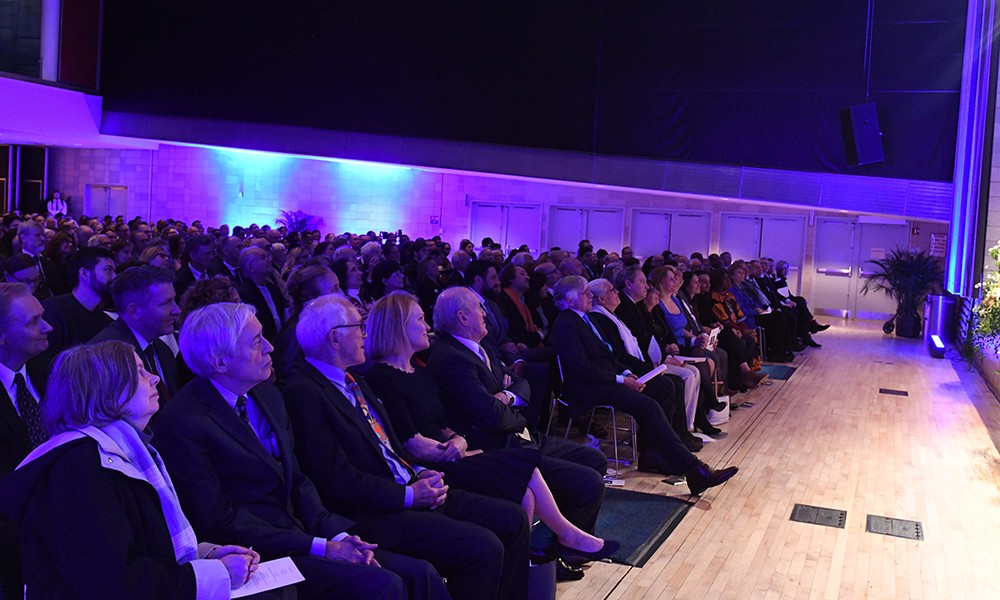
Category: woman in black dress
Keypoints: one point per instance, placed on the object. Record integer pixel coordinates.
(396, 331)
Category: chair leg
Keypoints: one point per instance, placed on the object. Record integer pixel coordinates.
(614, 434)
(635, 439)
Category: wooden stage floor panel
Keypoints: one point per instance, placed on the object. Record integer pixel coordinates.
(828, 438)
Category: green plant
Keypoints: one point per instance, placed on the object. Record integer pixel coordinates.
(299, 221)
(986, 314)
(907, 277)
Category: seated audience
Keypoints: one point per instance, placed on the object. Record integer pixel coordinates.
(260, 290)
(483, 400)
(351, 279)
(387, 277)
(227, 440)
(58, 252)
(736, 337)
(124, 513)
(593, 376)
(514, 285)
(412, 401)
(778, 327)
(21, 268)
(347, 446)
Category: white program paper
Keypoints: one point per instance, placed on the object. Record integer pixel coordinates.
(659, 369)
(270, 575)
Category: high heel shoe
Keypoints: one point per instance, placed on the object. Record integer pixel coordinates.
(578, 557)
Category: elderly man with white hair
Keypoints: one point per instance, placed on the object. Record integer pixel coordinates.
(348, 446)
(227, 441)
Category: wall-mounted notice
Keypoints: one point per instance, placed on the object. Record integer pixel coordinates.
(939, 244)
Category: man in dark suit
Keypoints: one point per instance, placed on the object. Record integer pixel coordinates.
(347, 445)
(228, 261)
(535, 364)
(260, 290)
(228, 444)
(144, 297)
(32, 238)
(78, 316)
(593, 377)
(481, 400)
(200, 251)
(23, 335)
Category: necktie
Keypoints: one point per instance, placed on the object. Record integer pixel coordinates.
(31, 413)
(359, 399)
(597, 333)
(485, 357)
(241, 409)
(161, 385)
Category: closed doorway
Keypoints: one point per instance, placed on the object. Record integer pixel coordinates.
(654, 231)
(100, 200)
(602, 226)
(843, 250)
(779, 237)
(510, 225)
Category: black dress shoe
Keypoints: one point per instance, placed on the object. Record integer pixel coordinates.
(815, 327)
(567, 572)
(578, 557)
(813, 343)
(719, 405)
(702, 477)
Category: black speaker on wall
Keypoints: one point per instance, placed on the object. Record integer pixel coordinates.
(862, 136)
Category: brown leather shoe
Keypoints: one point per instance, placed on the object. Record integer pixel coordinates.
(701, 477)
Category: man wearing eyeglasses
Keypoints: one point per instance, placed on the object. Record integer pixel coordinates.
(32, 238)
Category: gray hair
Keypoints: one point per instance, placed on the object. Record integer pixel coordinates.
(447, 306)
(369, 250)
(521, 259)
(599, 286)
(250, 255)
(90, 385)
(627, 274)
(344, 253)
(568, 289)
(211, 332)
(317, 319)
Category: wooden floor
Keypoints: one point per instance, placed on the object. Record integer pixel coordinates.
(828, 438)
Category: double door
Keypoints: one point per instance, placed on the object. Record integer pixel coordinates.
(510, 225)
(844, 249)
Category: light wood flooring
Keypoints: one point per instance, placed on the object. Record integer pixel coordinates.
(828, 438)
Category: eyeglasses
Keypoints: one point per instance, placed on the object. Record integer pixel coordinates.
(360, 326)
(27, 280)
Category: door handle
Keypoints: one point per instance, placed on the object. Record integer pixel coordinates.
(840, 272)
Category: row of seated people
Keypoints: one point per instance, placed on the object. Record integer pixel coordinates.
(159, 358)
(144, 297)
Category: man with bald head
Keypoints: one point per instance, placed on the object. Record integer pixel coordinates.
(482, 399)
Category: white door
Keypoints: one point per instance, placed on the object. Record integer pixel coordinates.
(690, 232)
(650, 232)
(783, 238)
(486, 221)
(739, 235)
(100, 200)
(875, 241)
(566, 228)
(605, 227)
(833, 259)
(523, 225)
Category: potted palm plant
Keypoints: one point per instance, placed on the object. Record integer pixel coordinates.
(907, 277)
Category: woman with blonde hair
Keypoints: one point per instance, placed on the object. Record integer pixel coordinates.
(396, 332)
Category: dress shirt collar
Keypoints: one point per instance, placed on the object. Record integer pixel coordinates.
(228, 395)
(473, 346)
(197, 274)
(335, 375)
(143, 343)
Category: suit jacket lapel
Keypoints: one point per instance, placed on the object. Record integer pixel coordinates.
(343, 405)
(470, 355)
(227, 419)
(9, 417)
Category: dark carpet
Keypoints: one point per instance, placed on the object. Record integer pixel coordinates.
(641, 522)
(779, 372)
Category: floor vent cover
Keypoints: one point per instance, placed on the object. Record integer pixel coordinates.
(893, 392)
(828, 517)
(911, 530)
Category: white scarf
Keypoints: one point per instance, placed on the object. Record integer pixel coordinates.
(631, 343)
